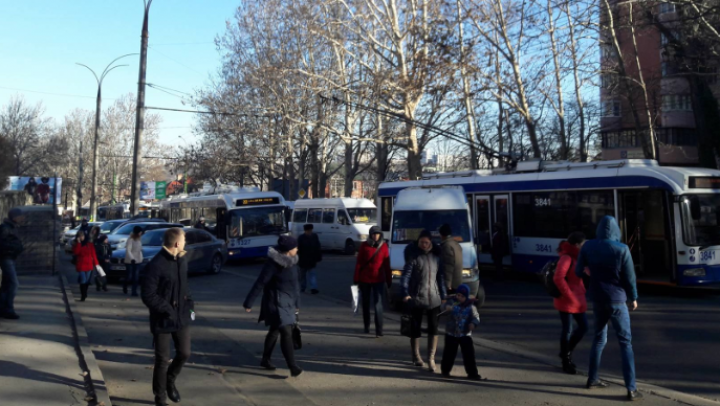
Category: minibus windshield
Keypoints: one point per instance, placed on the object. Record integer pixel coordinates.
(363, 215)
(701, 219)
(407, 225)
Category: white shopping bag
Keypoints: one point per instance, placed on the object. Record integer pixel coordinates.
(100, 271)
(356, 299)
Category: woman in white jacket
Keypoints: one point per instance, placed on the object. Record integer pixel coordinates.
(133, 258)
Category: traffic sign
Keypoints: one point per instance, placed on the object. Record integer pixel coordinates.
(302, 193)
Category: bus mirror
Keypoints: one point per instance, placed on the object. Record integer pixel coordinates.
(695, 208)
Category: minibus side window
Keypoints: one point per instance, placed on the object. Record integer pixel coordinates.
(314, 216)
(328, 216)
(343, 218)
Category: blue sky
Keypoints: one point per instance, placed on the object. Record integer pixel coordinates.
(41, 40)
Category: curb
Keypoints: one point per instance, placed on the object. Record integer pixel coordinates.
(95, 379)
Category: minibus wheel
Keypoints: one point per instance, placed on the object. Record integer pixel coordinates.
(349, 247)
(480, 297)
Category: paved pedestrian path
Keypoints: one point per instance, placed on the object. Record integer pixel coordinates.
(342, 365)
(39, 364)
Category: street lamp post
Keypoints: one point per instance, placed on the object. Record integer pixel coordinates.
(140, 112)
(98, 104)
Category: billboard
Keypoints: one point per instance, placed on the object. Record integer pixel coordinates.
(42, 190)
(152, 190)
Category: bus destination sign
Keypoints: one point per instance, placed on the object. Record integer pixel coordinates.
(697, 182)
(257, 201)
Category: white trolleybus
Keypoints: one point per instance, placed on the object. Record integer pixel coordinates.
(249, 220)
(669, 216)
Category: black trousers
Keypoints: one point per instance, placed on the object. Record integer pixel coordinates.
(162, 374)
(432, 321)
(373, 293)
(286, 344)
(450, 352)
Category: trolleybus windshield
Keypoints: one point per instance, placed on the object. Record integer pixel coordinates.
(257, 221)
(701, 220)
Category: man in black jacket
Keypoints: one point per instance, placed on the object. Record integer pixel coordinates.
(309, 251)
(165, 292)
(10, 248)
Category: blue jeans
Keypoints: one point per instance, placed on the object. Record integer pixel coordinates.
(9, 286)
(618, 315)
(569, 337)
(132, 275)
(308, 276)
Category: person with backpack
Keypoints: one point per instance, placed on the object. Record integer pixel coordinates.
(614, 289)
(462, 319)
(571, 302)
(372, 273)
(103, 251)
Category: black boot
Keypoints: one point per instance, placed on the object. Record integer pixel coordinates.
(83, 291)
(567, 365)
(172, 391)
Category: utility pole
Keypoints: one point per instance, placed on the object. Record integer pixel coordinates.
(80, 181)
(98, 109)
(140, 114)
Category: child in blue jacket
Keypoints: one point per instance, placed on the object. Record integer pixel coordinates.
(462, 319)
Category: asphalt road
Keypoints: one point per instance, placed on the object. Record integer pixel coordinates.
(675, 339)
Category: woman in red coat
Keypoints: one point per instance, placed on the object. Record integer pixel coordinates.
(372, 273)
(85, 262)
(572, 303)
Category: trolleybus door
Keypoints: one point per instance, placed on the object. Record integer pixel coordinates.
(500, 216)
(483, 233)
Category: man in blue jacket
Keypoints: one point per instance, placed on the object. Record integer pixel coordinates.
(613, 289)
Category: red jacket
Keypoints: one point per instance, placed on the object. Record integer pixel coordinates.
(572, 290)
(85, 258)
(375, 271)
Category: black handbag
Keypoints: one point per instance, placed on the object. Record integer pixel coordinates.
(406, 325)
(297, 337)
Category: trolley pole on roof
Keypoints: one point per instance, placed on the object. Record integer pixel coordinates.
(140, 114)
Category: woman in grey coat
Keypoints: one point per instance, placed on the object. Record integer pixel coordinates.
(278, 282)
(423, 287)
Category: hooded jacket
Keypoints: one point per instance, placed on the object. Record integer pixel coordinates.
(452, 262)
(571, 287)
(423, 278)
(166, 293)
(10, 244)
(279, 284)
(612, 273)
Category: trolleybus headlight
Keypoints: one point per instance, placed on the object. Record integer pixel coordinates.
(694, 272)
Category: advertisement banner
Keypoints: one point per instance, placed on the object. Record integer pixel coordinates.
(147, 190)
(43, 190)
(160, 188)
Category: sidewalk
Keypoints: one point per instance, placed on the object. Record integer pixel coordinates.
(39, 364)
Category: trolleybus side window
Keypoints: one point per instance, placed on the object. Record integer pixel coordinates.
(557, 214)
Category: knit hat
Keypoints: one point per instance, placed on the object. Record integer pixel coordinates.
(374, 230)
(286, 243)
(14, 213)
(463, 290)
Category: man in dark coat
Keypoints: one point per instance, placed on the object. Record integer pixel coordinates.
(200, 225)
(309, 251)
(10, 248)
(85, 228)
(278, 282)
(166, 294)
(451, 259)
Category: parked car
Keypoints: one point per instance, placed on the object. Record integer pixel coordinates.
(69, 236)
(204, 252)
(119, 236)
